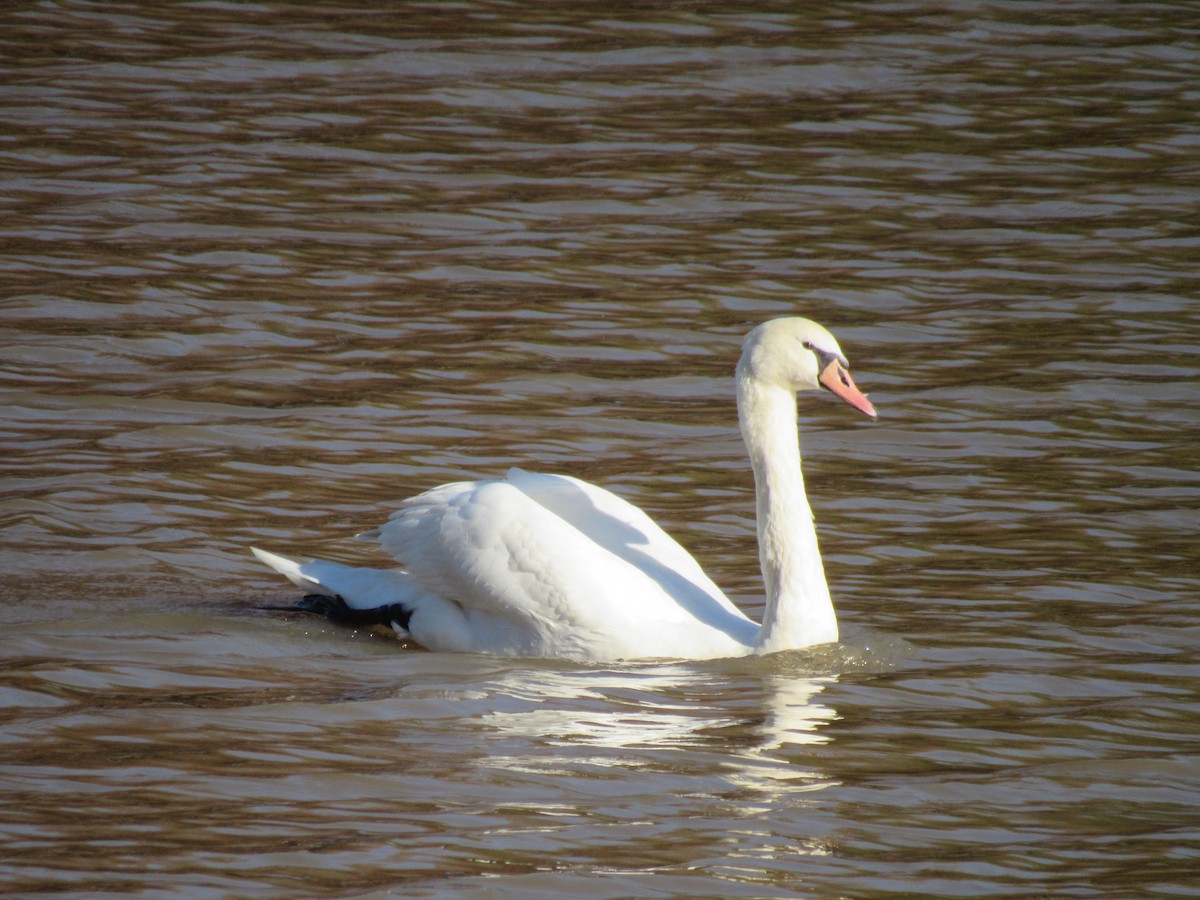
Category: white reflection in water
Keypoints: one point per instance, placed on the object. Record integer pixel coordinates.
(793, 717)
(631, 719)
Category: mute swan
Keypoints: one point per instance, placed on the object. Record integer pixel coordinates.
(550, 566)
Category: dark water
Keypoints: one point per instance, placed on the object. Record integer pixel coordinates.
(269, 268)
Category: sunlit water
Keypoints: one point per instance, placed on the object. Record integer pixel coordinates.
(270, 268)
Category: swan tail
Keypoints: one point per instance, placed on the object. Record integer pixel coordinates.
(346, 595)
(292, 571)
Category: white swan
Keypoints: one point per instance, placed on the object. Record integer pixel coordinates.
(549, 566)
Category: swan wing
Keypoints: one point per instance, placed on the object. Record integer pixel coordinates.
(563, 568)
(625, 531)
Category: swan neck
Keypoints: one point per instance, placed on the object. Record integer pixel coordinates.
(799, 611)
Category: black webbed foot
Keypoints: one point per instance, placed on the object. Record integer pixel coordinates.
(335, 609)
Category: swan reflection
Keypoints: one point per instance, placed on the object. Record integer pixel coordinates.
(742, 729)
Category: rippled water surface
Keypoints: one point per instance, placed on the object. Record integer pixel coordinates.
(269, 268)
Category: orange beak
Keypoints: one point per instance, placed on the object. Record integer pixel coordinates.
(837, 379)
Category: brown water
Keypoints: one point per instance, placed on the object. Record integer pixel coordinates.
(269, 268)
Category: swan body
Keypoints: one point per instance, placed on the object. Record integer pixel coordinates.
(536, 565)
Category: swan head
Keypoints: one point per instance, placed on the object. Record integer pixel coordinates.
(800, 355)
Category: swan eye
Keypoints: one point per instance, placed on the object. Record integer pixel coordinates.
(824, 357)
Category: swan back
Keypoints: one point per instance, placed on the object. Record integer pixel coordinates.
(546, 565)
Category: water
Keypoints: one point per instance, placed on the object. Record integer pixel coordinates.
(270, 268)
